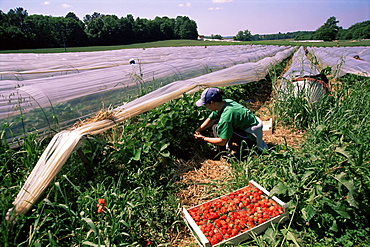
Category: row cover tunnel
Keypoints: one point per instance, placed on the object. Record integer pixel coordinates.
(40, 92)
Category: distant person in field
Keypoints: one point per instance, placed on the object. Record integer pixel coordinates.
(230, 121)
(357, 57)
(132, 61)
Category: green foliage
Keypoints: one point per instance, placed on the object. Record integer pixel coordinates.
(295, 108)
(169, 129)
(328, 31)
(243, 36)
(360, 30)
(18, 30)
(243, 92)
(305, 35)
(216, 36)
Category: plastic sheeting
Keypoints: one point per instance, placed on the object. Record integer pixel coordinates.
(341, 60)
(296, 81)
(40, 92)
(350, 51)
(301, 66)
(62, 145)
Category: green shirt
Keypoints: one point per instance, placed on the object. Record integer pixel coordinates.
(232, 116)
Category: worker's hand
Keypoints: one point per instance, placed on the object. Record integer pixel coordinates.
(198, 136)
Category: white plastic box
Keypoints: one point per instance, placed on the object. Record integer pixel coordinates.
(267, 127)
(204, 242)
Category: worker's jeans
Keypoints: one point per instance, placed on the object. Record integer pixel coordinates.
(238, 137)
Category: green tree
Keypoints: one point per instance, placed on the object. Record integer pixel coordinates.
(18, 30)
(141, 30)
(40, 31)
(166, 27)
(185, 28)
(12, 29)
(16, 17)
(216, 36)
(72, 15)
(304, 35)
(94, 25)
(127, 27)
(111, 30)
(243, 36)
(360, 30)
(68, 32)
(328, 31)
(75, 30)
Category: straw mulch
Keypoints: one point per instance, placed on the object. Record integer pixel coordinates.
(199, 178)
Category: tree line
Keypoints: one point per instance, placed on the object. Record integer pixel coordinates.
(329, 31)
(18, 30)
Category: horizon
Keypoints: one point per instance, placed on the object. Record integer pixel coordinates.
(223, 17)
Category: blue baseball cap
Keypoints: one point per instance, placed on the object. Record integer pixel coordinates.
(208, 95)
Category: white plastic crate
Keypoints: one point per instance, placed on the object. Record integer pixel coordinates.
(267, 127)
(204, 242)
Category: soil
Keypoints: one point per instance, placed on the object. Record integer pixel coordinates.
(201, 176)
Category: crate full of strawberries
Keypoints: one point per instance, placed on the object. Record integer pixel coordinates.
(235, 217)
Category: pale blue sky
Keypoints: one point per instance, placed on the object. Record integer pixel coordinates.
(225, 17)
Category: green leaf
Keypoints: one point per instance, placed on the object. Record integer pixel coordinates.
(147, 146)
(306, 175)
(91, 224)
(291, 191)
(137, 154)
(291, 236)
(51, 239)
(165, 154)
(342, 151)
(341, 210)
(337, 207)
(92, 244)
(360, 156)
(308, 212)
(279, 189)
(164, 147)
(341, 178)
(269, 235)
(334, 226)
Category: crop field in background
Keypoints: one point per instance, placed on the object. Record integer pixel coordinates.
(176, 43)
(135, 168)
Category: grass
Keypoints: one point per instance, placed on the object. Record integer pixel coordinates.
(178, 43)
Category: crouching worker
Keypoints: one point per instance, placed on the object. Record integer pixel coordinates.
(231, 123)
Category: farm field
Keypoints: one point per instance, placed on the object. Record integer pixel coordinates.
(148, 167)
(177, 43)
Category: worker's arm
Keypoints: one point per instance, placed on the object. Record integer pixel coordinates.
(205, 125)
(214, 140)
